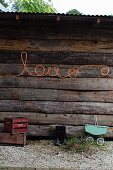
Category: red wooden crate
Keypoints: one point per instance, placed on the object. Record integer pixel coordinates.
(16, 125)
(16, 139)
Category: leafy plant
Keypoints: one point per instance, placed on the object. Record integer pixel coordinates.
(4, 3)
(39, 6)
(74, 12)
(78, 144)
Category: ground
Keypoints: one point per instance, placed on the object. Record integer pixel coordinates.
(44, 154)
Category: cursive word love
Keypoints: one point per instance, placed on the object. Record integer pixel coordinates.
(41, 71)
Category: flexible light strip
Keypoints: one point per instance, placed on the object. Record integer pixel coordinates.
(71, 72)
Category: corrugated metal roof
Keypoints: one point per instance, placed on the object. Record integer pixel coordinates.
(55, 16)
(62, 14)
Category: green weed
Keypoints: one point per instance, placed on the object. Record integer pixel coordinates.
(78, 144)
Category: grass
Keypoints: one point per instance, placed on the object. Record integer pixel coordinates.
(79, 145)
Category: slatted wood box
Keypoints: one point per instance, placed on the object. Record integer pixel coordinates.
(13, 139)
(16, 125)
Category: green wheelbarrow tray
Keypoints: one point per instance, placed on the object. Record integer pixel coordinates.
(95, 129)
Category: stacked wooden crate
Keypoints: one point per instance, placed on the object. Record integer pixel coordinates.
(15, 130)
(16, 125)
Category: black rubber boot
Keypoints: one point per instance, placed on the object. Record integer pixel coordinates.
(60, 135)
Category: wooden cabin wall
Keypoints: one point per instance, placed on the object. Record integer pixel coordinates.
(48, 101)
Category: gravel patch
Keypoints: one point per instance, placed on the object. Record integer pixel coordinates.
(43, 154)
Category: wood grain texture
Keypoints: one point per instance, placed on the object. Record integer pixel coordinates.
(73, 31)
(44, 130)
(56, 107)
(55, 95)
(84, 71)
(48, 101)
(49, 131)
(57, 83)
(62, 119)
(57, 45)
(17, 139)
(57, 57)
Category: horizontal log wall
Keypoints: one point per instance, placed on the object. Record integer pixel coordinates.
(63, 119)
(58, 45)
(84, 71)
(54, 57)
(82, 84)
(50, 100)
(29, 94)
(49, 107)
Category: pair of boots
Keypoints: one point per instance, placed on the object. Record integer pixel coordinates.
(60, 134)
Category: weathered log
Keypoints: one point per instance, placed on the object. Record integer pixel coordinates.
(56, 107)
(56, 45)
(57, 83)
(42, 130)
(62, 119)
(72, 31)
(80, 131)
(49, 131)
(81, 71)
(55, 95)
(58, 57)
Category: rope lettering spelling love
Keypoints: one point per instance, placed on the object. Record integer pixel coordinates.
(56, 71)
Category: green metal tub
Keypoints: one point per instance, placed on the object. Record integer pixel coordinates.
(95, 129)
